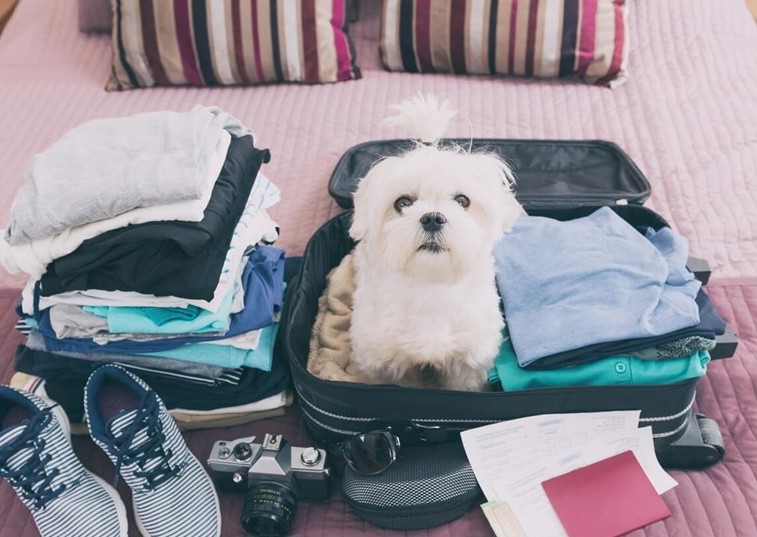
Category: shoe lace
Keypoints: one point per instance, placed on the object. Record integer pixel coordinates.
(32, 478)
(149, 451)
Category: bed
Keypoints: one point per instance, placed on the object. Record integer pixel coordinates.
(687, 117)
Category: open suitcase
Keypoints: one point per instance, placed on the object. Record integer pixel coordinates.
(558, 179)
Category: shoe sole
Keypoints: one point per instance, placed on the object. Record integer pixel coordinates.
(143, 532)
(123, 522)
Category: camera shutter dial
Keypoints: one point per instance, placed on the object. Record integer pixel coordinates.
(242, 451)
(310, 456)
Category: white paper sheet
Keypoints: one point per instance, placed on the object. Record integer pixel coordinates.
(511, 459)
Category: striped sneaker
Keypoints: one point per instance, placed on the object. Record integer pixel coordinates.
(37, 460)
(171, 492)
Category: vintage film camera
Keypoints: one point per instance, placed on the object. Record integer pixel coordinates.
(274, 476)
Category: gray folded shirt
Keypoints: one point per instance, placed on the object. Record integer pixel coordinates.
(68, 320)
(36, 342)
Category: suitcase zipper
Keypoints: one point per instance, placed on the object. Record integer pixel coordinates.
(442, 421)
(423, 420)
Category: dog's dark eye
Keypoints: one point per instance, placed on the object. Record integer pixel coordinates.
(463, 201)
(402, 202)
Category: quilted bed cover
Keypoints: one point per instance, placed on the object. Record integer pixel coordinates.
(687, 117)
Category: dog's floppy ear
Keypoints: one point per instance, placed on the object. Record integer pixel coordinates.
(513, 209)
(502, 203)
(367, 199)
(360, 214)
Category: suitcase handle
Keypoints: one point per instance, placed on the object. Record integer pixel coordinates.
(725, 345)
(700, 268)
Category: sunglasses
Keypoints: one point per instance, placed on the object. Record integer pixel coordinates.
(370, 453)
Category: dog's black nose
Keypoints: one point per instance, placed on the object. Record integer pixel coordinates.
(433, 221)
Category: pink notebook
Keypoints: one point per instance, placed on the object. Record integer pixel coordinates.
(608, 498)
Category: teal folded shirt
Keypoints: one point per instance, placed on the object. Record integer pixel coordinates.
(226, 355)
(189, 320)
(617, 370)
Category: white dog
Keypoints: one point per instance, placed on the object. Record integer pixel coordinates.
(426, 309)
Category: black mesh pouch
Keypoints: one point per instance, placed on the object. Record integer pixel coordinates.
(427, 486)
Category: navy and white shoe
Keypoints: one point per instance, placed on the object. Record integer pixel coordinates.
(172, 493)
(37, 460)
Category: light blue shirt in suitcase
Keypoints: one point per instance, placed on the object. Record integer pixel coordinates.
(566, 285)
(613, 371)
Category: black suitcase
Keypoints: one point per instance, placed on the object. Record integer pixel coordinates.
(559, 179)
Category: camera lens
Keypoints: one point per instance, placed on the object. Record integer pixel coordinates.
(269, 508)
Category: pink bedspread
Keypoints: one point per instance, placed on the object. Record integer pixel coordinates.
(687, 116)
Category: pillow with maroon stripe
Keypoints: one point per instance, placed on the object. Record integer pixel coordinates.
(543, 38)
(238, 42)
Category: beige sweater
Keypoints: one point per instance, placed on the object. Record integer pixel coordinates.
(330, 347)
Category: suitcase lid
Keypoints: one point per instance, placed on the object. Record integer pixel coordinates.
(549, 173)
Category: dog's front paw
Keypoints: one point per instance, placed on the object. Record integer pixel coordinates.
(468, 379)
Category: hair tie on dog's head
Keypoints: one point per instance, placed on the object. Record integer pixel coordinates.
(426, 116)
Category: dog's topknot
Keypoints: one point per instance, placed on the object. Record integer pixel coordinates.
(425, 115)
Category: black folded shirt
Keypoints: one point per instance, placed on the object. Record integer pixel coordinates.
(172, 258)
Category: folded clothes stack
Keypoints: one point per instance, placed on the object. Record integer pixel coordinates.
(596, 301)
(148, 244)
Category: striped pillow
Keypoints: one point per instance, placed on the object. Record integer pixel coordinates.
(229, 42)
(544, 38)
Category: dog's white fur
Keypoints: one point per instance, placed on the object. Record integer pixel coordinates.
(426, 116)
(426, 309)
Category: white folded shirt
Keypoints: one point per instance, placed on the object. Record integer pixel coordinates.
(105, 167)
(33, 257)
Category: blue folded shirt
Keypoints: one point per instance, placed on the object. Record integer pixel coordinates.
(566, 285)
(711, 324)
